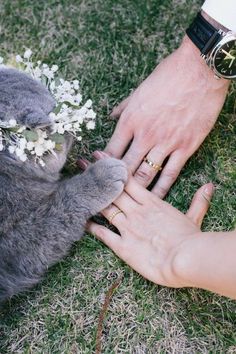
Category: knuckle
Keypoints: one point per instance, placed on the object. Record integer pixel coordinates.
(144, 175)
(139, 146)
(171, 174)
(100, 232)
(126, 118)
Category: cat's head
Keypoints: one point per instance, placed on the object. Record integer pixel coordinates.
(24, 99)
(29, 103)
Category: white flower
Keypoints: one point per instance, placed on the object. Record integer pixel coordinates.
(1, 146)
(23, 157)
(52, 115)
(11, 149)
(30, 145)
(40, 140)
(82, 111)
(67, 85)
(39, 150)
(54, 68)
(90, 125)
(41, 162)
(12, 122)
(49, 144)
(68, 126)
(1, 60)
(37, 73)
(48, 73)
(19, 152)
(88, 104)
(60, 128)
(21, 129)
(78, 98)
(19, 59)
(91, 114)
(76, 84)
(22, 143)
(27, 54)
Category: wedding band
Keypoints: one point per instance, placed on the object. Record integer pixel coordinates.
(111, 217)
(155, 166)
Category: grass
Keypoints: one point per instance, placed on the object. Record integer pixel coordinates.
(112, 46)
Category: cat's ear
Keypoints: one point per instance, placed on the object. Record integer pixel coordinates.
(36, 119)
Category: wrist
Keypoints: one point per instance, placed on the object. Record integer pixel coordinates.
(207, 261)
(185, 262)
(196, 64)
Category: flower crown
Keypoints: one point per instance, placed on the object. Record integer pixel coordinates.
(68, 116)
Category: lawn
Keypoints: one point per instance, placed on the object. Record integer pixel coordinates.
(111, 46)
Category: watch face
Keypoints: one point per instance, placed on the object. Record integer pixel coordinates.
(225, 59)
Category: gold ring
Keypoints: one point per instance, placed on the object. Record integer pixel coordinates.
(111, 217)
(155, 166)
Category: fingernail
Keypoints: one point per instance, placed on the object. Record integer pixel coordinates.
(209, 189)
(82, 164)
(99, 154)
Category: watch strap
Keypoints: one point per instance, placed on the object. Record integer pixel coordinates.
(203, 34)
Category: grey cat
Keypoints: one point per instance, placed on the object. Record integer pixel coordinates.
(42, 215)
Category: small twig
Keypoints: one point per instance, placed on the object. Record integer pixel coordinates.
(103, 314)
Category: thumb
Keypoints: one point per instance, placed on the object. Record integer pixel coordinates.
(200, 204)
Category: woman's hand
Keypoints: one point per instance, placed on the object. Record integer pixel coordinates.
(152, 232)
(168, 115)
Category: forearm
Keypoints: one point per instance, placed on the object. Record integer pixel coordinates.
(208, 261)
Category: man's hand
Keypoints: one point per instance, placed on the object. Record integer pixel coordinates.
(168, 115)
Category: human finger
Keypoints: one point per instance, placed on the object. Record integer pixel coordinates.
(119, 140)
(133, 196)
(169, 174)
(110, 238)
(134, 155)
(83, 163)
(125, 203)
(117, 110)
(200, 204)
(137, 192)
(151, 165)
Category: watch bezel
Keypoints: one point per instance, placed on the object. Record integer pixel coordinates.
(228, 37)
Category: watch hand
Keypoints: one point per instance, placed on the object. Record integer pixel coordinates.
(228, 55)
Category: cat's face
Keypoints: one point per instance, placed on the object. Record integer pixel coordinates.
(29, 103)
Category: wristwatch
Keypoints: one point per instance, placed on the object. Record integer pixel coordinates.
(217, 47)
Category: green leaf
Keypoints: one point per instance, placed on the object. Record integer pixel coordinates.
(58, 138)
(58, 108)
(76, 106)
(30, 135)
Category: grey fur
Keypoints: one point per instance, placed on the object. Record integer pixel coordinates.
(24, 99)
(42, 215)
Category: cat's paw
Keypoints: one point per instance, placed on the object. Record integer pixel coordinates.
(109, 177)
